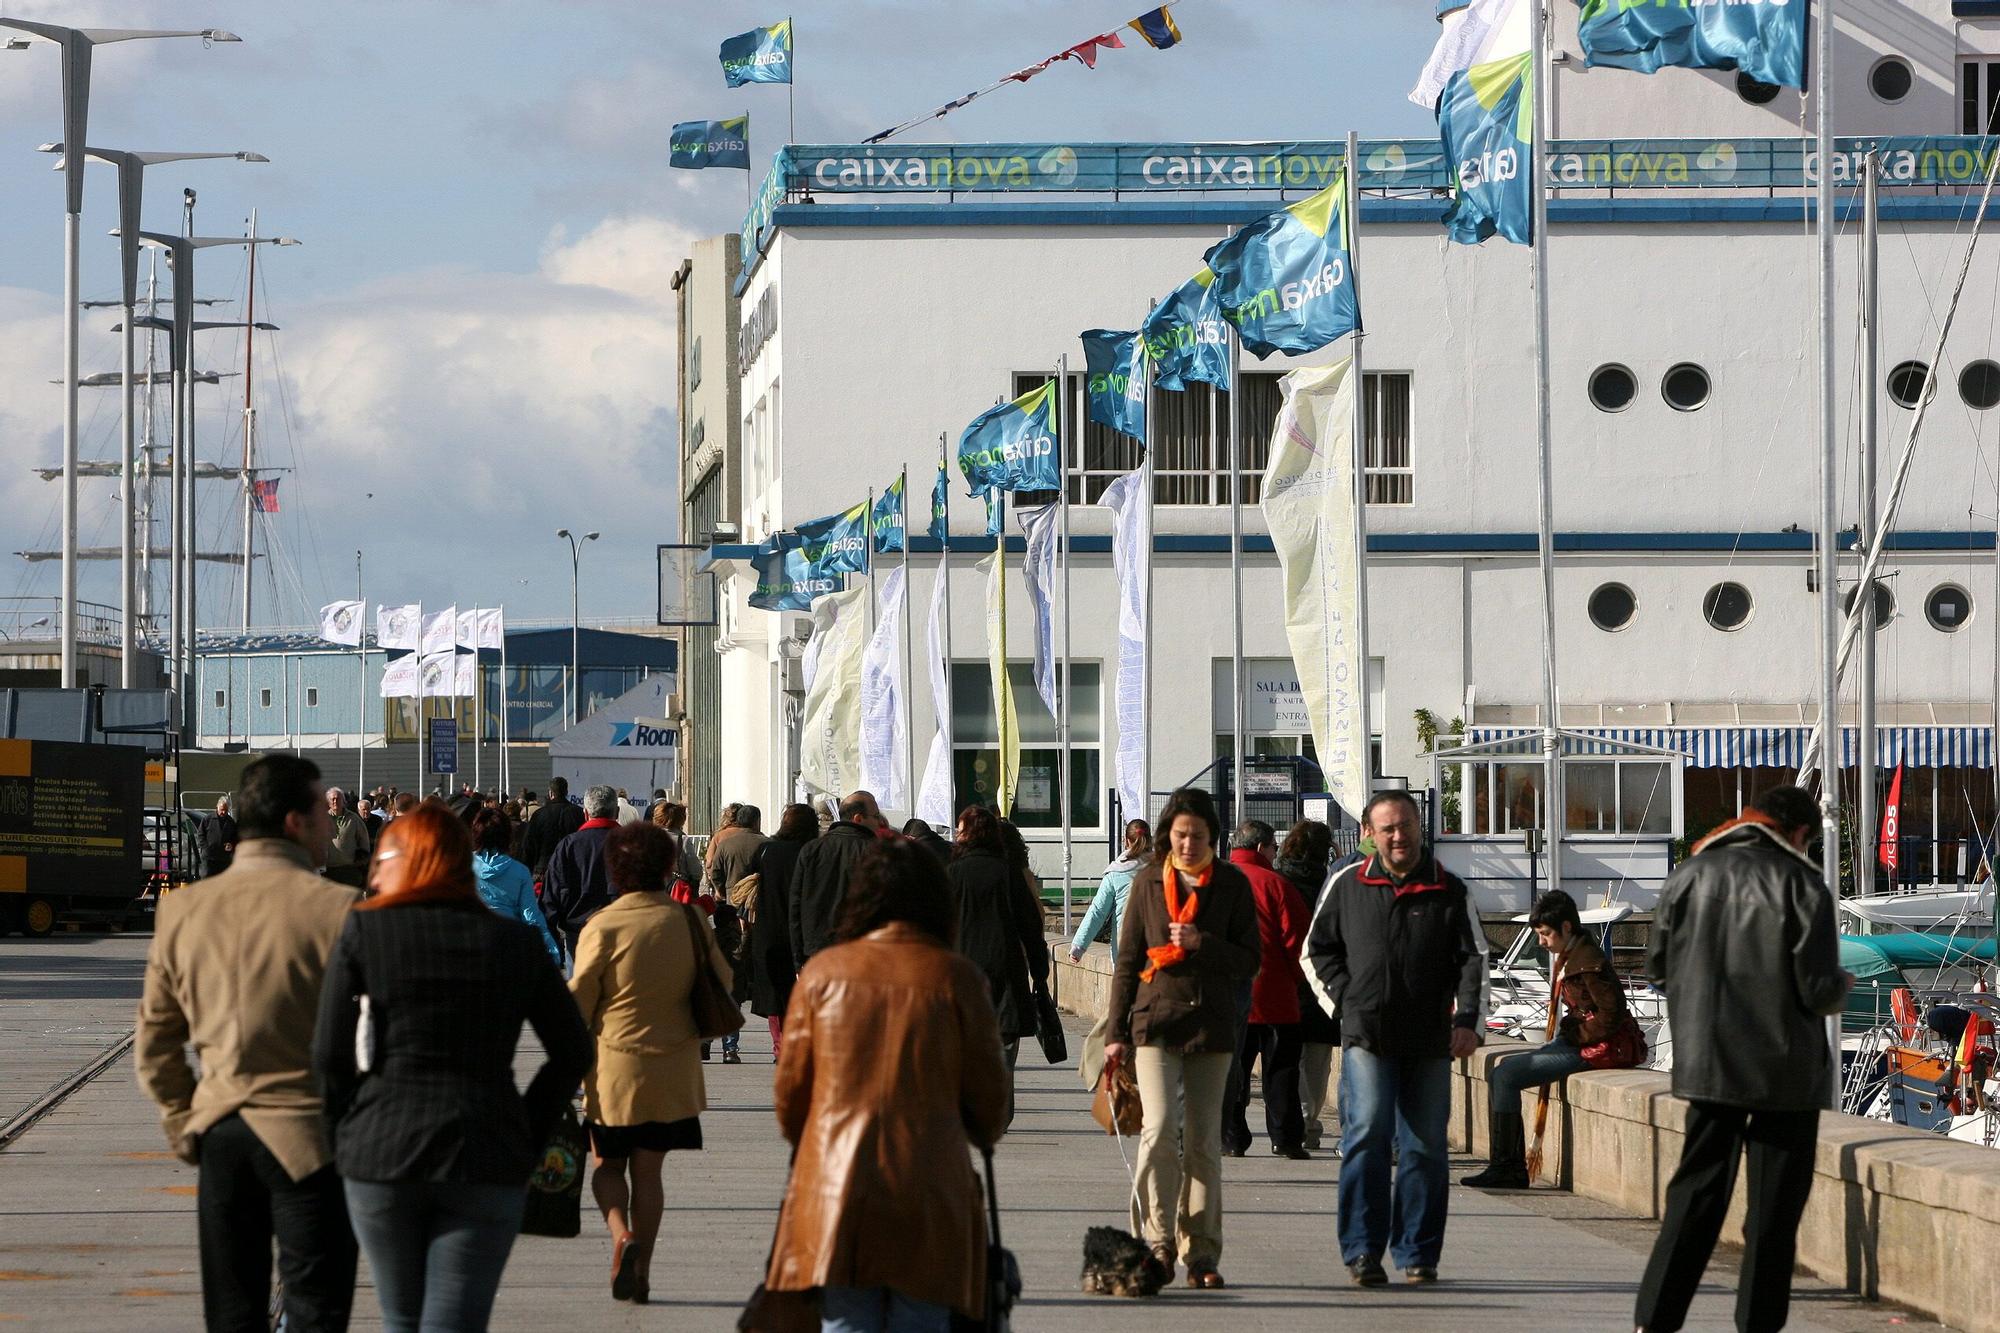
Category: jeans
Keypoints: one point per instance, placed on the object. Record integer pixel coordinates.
(246, 1200)
(436, 1248)
(1517, 1073)
(879, 1310)
(1412, 1098)
(1278, 1045)
(1178, 1199)
(731, 1042)
(1781, 1146)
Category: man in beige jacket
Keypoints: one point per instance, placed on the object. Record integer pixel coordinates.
(235, 971)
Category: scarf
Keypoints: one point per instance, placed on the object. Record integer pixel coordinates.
(1167, 955)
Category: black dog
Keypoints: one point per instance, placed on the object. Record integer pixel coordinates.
(1116, 1263)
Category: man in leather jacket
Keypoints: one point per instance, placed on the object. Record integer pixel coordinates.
(1744, 946)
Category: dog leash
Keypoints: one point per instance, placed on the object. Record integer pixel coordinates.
(1118, 1133)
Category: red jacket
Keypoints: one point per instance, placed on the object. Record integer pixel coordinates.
(1281, 931)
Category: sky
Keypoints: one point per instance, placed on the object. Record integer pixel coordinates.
(477, 341)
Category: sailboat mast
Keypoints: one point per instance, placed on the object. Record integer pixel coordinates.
(249, 423)
(143, 477)
(1871, 352)
(1829, 498)
(1553, 804)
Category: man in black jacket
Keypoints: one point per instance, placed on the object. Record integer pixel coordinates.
(819, 880)
(1745, 948)
(1396, 950)
(578, 883)
(549, 826)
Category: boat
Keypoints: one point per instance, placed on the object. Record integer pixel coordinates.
(1925, 909)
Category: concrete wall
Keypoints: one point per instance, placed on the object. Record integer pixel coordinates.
(1896, 1214)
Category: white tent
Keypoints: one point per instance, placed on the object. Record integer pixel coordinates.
(629, 743)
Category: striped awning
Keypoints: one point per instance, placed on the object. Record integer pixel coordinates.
(1771, 747)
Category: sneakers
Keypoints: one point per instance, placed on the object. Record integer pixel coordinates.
(1367, 1273)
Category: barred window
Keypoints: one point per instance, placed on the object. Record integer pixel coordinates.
(1385, 423)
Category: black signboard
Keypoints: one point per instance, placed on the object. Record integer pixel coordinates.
(70, 818)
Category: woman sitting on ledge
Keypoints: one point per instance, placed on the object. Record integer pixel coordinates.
(1595, 1001)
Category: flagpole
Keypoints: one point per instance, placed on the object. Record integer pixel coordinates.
(949, 720)
(791, 83)
(506, 755)
(909, 658)
(1871, 348)
(1236, 765)
(1829, 501)
(1357, 430)
(998, 612)
(423, 723)
(1068, 805)
(361, 655)
(868, 526)
(1145, 810)
(1553, 804)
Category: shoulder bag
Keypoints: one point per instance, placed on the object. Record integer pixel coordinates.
(1003, 1271)
(1115, 1104)
(1624, 1047)
(1048, 1026)
(555, 1187)
(716, 1013)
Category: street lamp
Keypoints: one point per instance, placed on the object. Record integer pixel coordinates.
(575, 668)
(131, 187)
(77, 46)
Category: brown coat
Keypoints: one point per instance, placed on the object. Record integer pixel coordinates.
(634, 973)
(235, 970)
(891, 1063)
(1592, 995)
(1193, 1006)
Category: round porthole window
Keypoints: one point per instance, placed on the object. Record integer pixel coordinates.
(1685, 387)
(1948, 607)
(1726, 606)
(1885, 605)
(1612, 607)
(1755, 91)
(1612, 388)
(1890, 80)
(1979, 385)
(1910, 381)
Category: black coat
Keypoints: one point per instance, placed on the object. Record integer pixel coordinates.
(547, 827)
(1000, 929)
(218, 844)
(1744, 945)
(819, 885)
(577, 884)
(1315, 1023)
(449, 985)
(768, 956)
(1402, 965)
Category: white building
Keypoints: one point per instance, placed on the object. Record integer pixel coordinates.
(1685, 437)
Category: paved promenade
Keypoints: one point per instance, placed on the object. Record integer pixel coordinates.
(97, 1227)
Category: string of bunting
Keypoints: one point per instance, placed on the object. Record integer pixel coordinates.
(1155, 26)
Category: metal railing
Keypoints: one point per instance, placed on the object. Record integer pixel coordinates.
(39, 620)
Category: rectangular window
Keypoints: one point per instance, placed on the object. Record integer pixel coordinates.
(312, 696)
(1623, 796)
(221, 699)
(263, 698)
(976, 761)
(698, 435)
(1979, 96)
(1385, 424)
(694, 366)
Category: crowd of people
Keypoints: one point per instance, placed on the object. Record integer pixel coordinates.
(354, 975)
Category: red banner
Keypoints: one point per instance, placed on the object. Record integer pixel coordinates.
(1891, 822)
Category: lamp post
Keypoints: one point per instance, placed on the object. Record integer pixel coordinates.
(575, 668)
(131, 188)
(77, 45)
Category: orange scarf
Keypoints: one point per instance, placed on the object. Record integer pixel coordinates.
(1167, 955)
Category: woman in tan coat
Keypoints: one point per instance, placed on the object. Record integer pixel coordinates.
(891, 1065)
(635, 969)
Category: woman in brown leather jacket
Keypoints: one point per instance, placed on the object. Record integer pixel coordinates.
(891, 1067)
(1595, 1005)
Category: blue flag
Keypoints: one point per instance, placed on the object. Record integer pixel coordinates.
(1486, 119)
(761, 55)
(1012, 447)
(1765, 41)
(837, 543)
(1285, 281)
(888, 519)
(711, 143)
(1116, 387)
(1186, 338)
(786, 580)
(941, 505)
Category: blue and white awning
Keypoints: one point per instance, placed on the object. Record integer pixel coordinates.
(1770, 747)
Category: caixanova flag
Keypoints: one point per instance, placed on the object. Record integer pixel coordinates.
(1012, 447)
(1765, 39)
(1287, 281)
(1486, 119)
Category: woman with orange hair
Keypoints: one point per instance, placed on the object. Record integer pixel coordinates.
(424, 999)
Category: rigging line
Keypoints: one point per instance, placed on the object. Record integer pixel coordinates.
(308, 519)
(1876, 543)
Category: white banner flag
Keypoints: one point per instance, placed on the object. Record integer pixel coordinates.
(465, 633)
(884, 740)
(465, 675)
(396, 626)
(399, 677)
(830, 731)
(1473, 34)
(437, 674)
(492, 629)
(340, 622)
(1309, 507)
(934, 797)
(1041, 527)
(1131, 551)
(440, 631)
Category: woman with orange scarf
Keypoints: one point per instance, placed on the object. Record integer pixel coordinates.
(1188, 946)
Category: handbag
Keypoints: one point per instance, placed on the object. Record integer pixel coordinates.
(1624, 1047)
(1003, 1271)
(555, 1186)
(1048, 1027)
(716, 1013)
(1115, 1104)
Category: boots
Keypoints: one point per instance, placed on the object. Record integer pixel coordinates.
(1508, 1169)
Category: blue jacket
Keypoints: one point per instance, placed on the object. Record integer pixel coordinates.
(506, 886)
(1107, 906)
